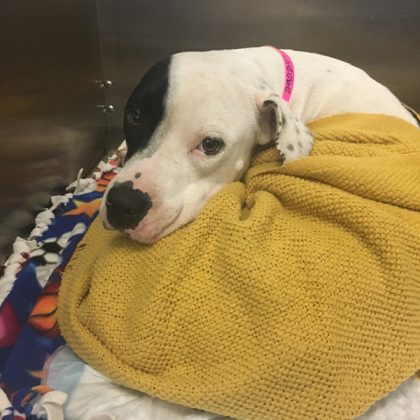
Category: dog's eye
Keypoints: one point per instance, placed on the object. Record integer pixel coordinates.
(134, 117)
(211, 146)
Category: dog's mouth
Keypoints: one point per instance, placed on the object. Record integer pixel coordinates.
(139, 234)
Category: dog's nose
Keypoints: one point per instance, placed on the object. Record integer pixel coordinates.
(126, 206)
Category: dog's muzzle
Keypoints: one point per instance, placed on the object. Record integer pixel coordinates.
(126, 206)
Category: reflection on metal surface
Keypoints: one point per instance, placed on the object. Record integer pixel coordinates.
(104, 84)
(49, 126)
(106, 109)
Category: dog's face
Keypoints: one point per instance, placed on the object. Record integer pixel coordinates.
(190, 127)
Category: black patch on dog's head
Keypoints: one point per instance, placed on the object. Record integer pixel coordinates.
(147, 101)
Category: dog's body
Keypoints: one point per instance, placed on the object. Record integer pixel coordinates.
(194, 119)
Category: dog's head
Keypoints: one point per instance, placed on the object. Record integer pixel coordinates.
(190, 127)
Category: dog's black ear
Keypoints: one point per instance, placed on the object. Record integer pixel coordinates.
(277, 124)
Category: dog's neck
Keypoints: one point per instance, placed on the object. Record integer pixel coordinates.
(264, 67)
(267, 70)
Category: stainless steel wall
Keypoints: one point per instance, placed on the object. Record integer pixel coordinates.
(51, 53)
(49, 125)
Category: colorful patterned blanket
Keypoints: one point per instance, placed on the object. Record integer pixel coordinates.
(29, 285)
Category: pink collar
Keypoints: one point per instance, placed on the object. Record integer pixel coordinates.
(289, 75)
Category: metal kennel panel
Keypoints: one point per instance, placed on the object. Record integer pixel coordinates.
(49, 123)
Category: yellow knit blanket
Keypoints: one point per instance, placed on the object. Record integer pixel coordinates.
(294, 295)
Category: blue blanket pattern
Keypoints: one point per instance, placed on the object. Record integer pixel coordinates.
(29, 332)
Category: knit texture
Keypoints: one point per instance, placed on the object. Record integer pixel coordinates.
(293, 295)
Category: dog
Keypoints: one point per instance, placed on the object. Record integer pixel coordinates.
(193, 121)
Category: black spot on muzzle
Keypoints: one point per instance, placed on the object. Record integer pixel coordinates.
(125, 206)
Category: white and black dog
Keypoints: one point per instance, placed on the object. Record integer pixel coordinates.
(194, 119)
(192, 124)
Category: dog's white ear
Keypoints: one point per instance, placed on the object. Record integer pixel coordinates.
(270, 120)
(278, 124)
